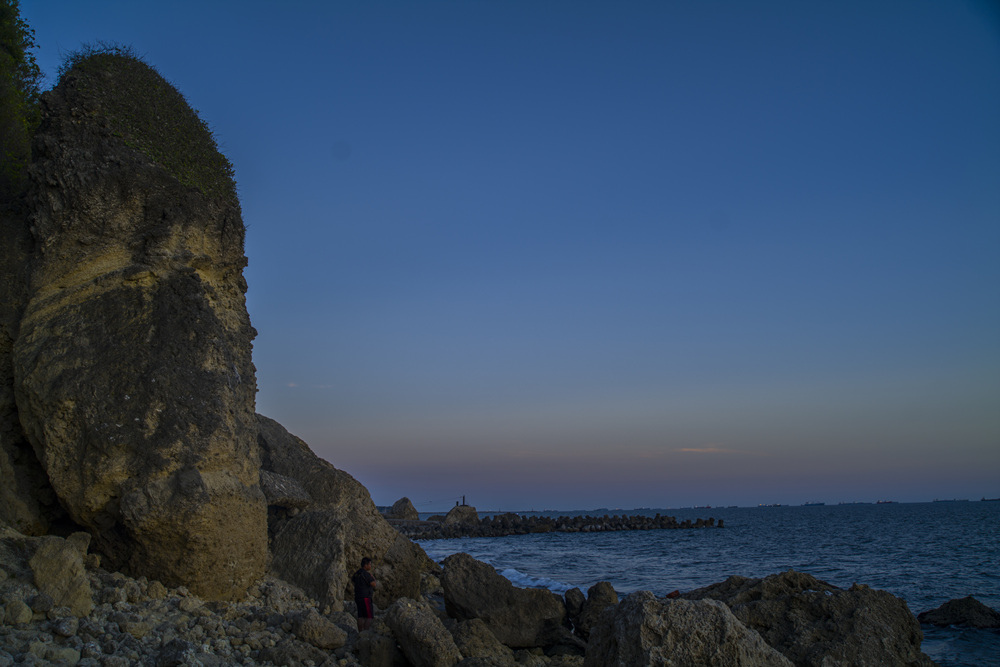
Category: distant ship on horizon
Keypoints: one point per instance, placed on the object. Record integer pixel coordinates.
(816, 504)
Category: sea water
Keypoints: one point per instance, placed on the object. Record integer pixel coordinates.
(925, 553)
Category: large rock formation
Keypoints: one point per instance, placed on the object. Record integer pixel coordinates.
(131, 360)
(319, 546)
(816, 624)
(518, 617)
(643, 630)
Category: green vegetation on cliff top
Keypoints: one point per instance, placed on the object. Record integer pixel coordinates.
(19, 90)
(150, 115)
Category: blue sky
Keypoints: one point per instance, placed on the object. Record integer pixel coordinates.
(599, 254)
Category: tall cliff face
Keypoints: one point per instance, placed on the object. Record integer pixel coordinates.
(132, 363)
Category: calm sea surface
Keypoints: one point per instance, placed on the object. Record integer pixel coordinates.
(925, 553)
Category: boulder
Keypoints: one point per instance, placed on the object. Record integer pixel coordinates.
(518, 617)
(475, 641)
(600, 596)
(421, 635)
(461, 514)
(318, 631)
(965, 612)
(132, 372)
(403, 509)
(320, 547)
(814, 623)
(643, 630)
(57, 565)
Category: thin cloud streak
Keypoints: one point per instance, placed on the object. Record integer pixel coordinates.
(716, 450)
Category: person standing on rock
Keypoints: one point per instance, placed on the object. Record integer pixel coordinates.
(364, 588)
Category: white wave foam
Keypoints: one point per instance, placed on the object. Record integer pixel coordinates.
(522, 580)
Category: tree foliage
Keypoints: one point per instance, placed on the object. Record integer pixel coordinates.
(20, 79)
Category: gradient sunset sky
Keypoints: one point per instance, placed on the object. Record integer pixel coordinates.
(572, 254)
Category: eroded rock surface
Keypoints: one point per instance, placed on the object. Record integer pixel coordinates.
(321, 545)
(816, 624)
(518, 617)
(644, 630)
(132, 370)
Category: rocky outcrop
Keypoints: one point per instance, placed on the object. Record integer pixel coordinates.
(403, 509)
(643, 630)
(131, 362)
(518, 617)
(964, 612)
(421, 635)
(317, 546)
(461, 515)
(816, 624)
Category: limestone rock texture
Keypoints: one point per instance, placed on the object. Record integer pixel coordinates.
(319, 546)
(131, 366)
(421, 635)
(816, 624)
(642, 630)
(475, 641)
(518, 617)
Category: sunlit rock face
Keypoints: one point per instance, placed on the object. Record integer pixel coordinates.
(132, 363)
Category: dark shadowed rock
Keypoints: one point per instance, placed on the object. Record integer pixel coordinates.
(461, 514)
(518, 617)
(816, 624)
(132, 371)
(378, 648)
(27, 501)
(320, 547)
(403, 509)
(600, 596)
(574, 599)
(967, 612)
(643, 630)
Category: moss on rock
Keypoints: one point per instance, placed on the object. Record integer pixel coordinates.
(118, 88)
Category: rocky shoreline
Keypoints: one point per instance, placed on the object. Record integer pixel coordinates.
(59, 606)
(149, 516)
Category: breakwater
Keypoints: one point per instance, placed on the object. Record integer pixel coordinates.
(500, 525)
